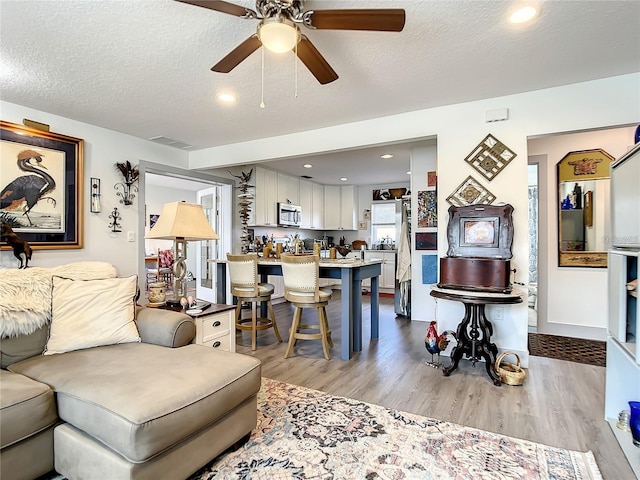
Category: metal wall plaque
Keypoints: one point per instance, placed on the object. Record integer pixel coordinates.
(490, 157)
(470, 192)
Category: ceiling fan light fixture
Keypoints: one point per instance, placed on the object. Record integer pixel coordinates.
(278, 34)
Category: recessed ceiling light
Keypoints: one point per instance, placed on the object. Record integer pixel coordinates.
(409, 172)
(307, 165)
(386, 156)
(524, 14)
(227, 97)
(343, 179)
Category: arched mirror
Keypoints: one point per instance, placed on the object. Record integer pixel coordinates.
(583, 206)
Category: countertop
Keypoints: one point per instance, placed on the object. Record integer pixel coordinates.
(324, 262)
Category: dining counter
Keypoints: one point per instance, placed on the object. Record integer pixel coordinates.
(350, 272)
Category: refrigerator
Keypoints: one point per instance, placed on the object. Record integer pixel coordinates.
(402, 292)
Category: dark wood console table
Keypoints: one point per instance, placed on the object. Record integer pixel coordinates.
(475, 330)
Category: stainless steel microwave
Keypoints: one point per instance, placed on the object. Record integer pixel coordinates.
(289, 215)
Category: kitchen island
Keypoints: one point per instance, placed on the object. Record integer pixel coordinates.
(350, 272)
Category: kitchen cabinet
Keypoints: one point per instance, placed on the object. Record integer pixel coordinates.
(387, 279)
(263, 211)
(278, 286)
(340, 207)
(288, 189)
(312, 203)
(317, 217)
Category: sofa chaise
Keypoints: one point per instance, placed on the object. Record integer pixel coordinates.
(144, 407)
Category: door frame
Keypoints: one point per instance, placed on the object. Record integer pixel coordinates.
(145, 167)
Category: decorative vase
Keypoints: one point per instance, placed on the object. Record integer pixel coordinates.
(158, 293)
(634, 422)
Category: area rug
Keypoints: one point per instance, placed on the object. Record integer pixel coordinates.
(307, 434)
(591, 352)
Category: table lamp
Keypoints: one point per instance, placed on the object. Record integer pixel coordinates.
(181, 222)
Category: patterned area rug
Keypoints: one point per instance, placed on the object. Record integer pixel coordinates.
(307, 434)
(578, 350)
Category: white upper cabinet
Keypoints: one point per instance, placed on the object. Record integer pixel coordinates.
(288, 189)
(312, 203)
(348, 202)
(266, 194)
(332, 205)
(317, 217)
(324, 207)
(340, 207)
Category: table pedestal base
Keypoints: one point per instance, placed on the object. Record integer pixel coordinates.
(474, 335)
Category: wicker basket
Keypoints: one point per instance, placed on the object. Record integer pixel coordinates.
(511, 374)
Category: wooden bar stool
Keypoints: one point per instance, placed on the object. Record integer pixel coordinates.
(301, 276)
(243, 274)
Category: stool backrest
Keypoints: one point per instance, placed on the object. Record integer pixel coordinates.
(300, 274)
(243, 271)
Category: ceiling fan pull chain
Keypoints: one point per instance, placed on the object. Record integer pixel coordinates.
(262, 79)
(295, 71)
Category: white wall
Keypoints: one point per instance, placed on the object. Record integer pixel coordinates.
(571, 300)
(423, 305)
(608, 102)
(102, 150)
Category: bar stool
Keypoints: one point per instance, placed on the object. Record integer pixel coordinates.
(301, 275)
(243, 274)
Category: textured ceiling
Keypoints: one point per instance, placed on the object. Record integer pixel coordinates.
(142, 67)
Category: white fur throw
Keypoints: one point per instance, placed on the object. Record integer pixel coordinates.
(25, 294)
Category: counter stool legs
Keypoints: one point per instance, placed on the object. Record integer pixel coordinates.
(322, 326)
(257, 323)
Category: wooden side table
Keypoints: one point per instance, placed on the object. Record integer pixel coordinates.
(215, 326)
(475, 330)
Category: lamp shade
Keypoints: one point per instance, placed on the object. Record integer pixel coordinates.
(182, 220)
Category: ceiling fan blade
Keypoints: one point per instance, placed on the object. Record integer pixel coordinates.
(384, 20)
(221, 6)
(315, 62)
(237, 55)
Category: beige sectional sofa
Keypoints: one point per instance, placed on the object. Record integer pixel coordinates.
(156, 408)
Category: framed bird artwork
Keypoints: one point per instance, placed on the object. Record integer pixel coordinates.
(41, 186)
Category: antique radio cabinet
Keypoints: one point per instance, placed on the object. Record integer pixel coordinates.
(478, 258)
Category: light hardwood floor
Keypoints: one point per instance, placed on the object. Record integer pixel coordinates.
(561, 403)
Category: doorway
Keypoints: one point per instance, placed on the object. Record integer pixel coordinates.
(160, 184)
(534, 206)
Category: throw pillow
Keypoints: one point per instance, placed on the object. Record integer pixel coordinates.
(91, 313)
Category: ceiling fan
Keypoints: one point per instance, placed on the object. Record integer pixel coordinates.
(279, 30)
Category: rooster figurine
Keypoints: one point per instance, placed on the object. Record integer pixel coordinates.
(435, 343)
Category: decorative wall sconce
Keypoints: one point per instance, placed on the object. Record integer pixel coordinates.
(95, 195)
(115, 223)
(130, 174)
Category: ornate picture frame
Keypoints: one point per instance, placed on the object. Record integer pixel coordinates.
(41, 185)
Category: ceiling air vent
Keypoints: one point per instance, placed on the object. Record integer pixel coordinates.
(171, 143)
(305, 176)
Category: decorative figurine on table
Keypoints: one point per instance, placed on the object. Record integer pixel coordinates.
(435, 343)
(21, 248)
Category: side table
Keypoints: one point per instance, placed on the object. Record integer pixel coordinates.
(215, 326)
(475, 330)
